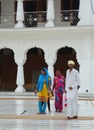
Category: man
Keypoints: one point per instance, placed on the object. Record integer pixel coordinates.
(72, 84)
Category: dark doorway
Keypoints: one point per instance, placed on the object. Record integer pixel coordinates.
(35, 61)
(63, 55)
(8, 70)
(35, 5)
(75, 4)
(69, 4)
(30, 6)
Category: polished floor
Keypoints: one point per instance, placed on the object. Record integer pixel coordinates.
(19, 113)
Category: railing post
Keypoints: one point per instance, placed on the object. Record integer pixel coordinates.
(50, 14)
(20, 14)
(85, 13)
(20, 76)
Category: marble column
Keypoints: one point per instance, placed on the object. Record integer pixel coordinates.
(50, 14)
(51, 70)
(57, 7)
(92, 63)
(85, 75)
(20, 14)
(84, 59)
(92, 73)
(20, 77)
(50, 60)
(83, 83)
(85, 13)
(92, 11)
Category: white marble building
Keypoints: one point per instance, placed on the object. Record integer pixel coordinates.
(52, 36)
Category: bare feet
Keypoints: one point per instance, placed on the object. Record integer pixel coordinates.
(57, 110)
(38, 113)
(41, 113)
(69, 118)
(75, 117)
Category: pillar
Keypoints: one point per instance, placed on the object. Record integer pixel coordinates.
(20, 15)
(84, 59)
(85, 13)
(92, 64)
(20, 76)
(85, 75)
(92, 11)
(92, 74)
(50, 13)
(51, 70)
(57, 7)
(50, 60)
(83, 83)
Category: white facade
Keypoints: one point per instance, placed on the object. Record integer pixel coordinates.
(51, 40)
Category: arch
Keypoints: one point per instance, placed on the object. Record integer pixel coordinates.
(29, 48)
(63, 55)
(35, 61)
(8, 70)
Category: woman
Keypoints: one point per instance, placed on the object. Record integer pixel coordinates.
(59, 84)
(43, 89)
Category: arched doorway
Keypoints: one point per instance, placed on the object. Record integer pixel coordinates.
(35, 61)
(8, 70)
(63, 55)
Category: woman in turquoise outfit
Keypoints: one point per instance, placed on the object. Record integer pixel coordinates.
(43, 89)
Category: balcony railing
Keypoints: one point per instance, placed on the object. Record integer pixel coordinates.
(70, 16)
(38, 19)
(32, 19)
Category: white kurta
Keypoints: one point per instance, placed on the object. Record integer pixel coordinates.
(72, 80)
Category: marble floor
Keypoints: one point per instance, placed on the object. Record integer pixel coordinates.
(19, 113)
(15, 124)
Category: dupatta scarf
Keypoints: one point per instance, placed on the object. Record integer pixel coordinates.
(43, 78)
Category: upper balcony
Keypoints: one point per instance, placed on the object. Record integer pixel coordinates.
(46, 13)
(39, 19)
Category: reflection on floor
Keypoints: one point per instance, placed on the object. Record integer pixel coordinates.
(19, 113)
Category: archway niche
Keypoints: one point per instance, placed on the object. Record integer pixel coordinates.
(8, 70)
(63, 55)
(35, 61)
